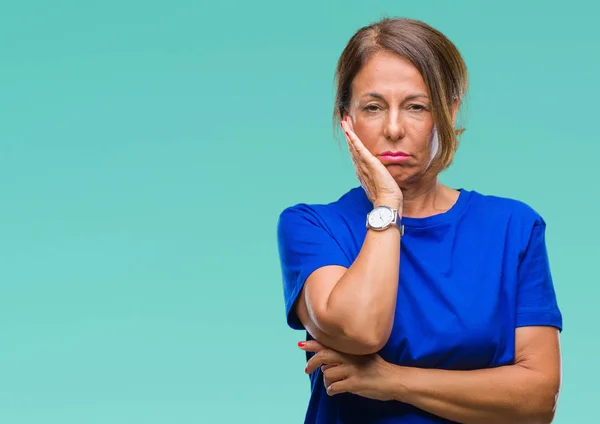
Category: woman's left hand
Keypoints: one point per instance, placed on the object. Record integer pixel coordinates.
(367, 376)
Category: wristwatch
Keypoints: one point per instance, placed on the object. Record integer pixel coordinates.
(382, 218)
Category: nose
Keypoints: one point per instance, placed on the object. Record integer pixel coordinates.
(394, 126)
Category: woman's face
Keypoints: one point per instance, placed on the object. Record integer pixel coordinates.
(391, 113)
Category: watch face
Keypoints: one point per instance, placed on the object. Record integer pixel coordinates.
(380, 217)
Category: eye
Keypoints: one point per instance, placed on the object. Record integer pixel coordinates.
(371, 108)
(417, 108)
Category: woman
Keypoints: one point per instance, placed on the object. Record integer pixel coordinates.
(442, 307)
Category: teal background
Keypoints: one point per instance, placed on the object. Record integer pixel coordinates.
(147, 148)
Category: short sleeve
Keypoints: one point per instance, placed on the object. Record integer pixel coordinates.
(305, 245)
(536, 297)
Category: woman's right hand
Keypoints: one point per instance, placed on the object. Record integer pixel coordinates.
(375, 179)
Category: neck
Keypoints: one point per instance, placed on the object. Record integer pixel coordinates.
(427, 198)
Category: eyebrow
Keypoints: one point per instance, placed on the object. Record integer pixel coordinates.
(410, 97)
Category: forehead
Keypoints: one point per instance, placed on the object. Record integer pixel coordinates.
(388, 73)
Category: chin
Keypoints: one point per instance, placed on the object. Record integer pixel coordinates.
(399, 171)
(403, 175)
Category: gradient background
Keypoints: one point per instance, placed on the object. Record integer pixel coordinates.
(147, 149)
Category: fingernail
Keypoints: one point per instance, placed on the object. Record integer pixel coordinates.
(341, 125)
(301, 344)
(347, 134)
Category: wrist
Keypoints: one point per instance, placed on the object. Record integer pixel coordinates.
(391, 202)
(399, 380)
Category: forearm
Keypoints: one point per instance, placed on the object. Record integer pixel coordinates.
(363, 301)
(510, 394)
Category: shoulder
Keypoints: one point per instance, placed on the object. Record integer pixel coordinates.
(302, 215)
(516, 218)
(320, 233)
(514, 209)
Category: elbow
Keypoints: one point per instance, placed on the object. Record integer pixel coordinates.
(366, 345)
(547, 418)
(532, 413)
(542, 408)
(351, 338)
(546, 410)
(540, 416)
(365, 340)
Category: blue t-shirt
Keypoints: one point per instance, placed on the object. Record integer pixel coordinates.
(468, 278)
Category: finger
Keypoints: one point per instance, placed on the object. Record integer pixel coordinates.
(361, 152)
(327, 366)
(360, 164)
(348, 120)
(335, 373)
(353, 158)
(341, 386)
(324, 369)
(352, 138)
(356, 160)
(311, 346)
(323, 357)
(347, 130)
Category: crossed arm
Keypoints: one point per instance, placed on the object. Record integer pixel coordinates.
(525, 392)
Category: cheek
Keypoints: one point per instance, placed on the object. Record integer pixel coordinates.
(421, 134)
(369, 131)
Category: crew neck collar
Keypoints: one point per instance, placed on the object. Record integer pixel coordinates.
(448, 216)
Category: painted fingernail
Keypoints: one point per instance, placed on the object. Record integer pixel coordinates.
(347, 134)
(301, 344)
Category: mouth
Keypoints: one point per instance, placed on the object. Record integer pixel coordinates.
(394, 157)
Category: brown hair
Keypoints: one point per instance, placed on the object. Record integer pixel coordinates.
(437, 59)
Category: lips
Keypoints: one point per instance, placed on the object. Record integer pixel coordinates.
(394, 154)
(393, 157)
